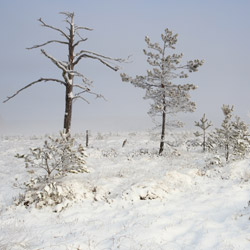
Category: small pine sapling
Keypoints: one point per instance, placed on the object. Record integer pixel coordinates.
(203, 124)
(241, 135)
(57, 157)
(233, 136)
(54, 160)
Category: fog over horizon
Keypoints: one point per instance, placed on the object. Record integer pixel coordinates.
(216, 31)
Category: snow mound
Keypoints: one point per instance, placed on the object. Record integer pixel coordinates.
(61, 194)
(159, 189)
(240, 170)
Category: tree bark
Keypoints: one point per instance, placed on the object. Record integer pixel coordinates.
(87, 138)
(68, 109)
(204, 141)
(69, 85)
(227, 152)
(163, 127)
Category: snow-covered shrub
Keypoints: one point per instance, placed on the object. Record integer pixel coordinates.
(43, 194)
(99, 136)
(213, 167)
(192, 144)
(213, 161)
(109, 153)
(232, 138)
(141, 152)
(55, 159)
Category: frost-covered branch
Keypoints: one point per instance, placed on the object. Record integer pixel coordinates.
(51, 41)
(107, 61)
(79, 95)
(54, 28)
(82, 28)
(61, 65)
(32, 83)
(115, 68)
(120, 60)
(80, 41)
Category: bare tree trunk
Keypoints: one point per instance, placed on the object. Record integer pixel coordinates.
(68, 109)
(204, 141)
(163, 127)
(87, 138)
(227, 152)
(69, 86)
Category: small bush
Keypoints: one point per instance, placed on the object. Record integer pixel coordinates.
(57, 157)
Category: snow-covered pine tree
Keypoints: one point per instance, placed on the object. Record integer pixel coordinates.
(57, 157)
(50, 163)
(203, 124)
(168, 98)
(75, 83)
(232, 137)
(242, 137)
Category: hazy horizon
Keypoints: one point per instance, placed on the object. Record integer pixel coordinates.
(216, 31)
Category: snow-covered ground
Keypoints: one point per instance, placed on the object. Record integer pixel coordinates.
(131, 199)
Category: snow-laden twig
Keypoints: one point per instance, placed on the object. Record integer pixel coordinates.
(32, 83)
(48, 42)
(54, 28)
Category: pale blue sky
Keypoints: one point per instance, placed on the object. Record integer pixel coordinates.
(216, 31)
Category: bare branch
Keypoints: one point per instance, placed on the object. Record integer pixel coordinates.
(83, 88)
(63, 66)
(32, 83)
(81, 40)
(115, 68)
(82, 28)
(52, 41)
(99, 55)
(67, 21)
(80, 97)
(78, 34)
(53, 28)
(59, 64)
(67, 14)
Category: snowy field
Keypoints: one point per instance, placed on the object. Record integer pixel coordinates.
(131, 199)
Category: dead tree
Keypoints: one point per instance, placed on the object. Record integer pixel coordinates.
(73, 90)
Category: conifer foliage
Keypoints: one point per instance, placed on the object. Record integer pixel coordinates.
(57, 157)
(203, 124)
(232, 137)
(167, 97)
